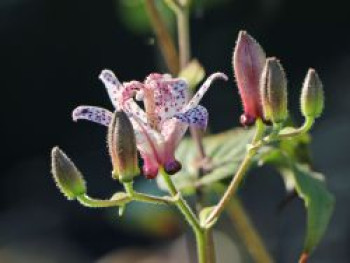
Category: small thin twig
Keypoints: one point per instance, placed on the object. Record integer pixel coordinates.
(166, 42)
(237, 179)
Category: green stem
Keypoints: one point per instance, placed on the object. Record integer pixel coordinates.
(129, 188)
(86, 200)
(277, 134)
(165, 40)
(210, 247)
(135, 196)
(201, 243)
(184, 37)
(190, 218)
(180, 202)
(305, 128)
(237, 179)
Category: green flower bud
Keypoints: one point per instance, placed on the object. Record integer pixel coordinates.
(273, 87)
(312, 97)
(122, 148)
(66, 175)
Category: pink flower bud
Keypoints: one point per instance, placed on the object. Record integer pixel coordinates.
(248, 63)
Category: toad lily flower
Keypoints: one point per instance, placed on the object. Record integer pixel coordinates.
(167, 115)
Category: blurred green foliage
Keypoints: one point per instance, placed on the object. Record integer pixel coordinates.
(134, 16)
(290, 157)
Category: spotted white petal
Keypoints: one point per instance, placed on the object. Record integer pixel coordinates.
(112, 85)
(170, 98)
(164, 97)
(172, 131)
(197, 116)
(203, 89)
(94, 114)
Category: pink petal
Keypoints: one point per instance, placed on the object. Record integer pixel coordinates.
(131, 88)
(197, 116)
(204, 88)
(248, 62)
(172, 131)
(148, 141)
(94, 114)
(150, 167)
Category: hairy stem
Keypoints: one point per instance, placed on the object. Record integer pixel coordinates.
(306, 127)
(136, 196)
(190, 218)
(88, 201)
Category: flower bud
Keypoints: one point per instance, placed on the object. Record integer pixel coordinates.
(312, 97)
(122, 148)
(66, 175)
(248, 63)
(273, 87)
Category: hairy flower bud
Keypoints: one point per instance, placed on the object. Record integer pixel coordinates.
(122, 147)
(66, 175)
(312, 97)
(248, 63)
(273, 89)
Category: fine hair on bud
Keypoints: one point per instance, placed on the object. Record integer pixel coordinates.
(122, 147)
(66, 175)
(273, 86)
(312, 96)
(248, 62)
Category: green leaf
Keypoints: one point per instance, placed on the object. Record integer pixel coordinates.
(225, 151)
(292, 158)
(194, 73)
(319, 202)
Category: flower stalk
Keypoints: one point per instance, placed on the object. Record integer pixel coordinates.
(199, 231)
(166, 42)
(239, 176)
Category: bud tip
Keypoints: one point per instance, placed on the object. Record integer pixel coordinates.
(66, 175)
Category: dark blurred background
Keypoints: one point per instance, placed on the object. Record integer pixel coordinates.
(51, 53)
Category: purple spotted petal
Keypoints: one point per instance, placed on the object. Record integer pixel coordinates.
(94, 114)
(164, 97)
(170, 98)
(113, 87)
(197, 116)
(204, 88)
